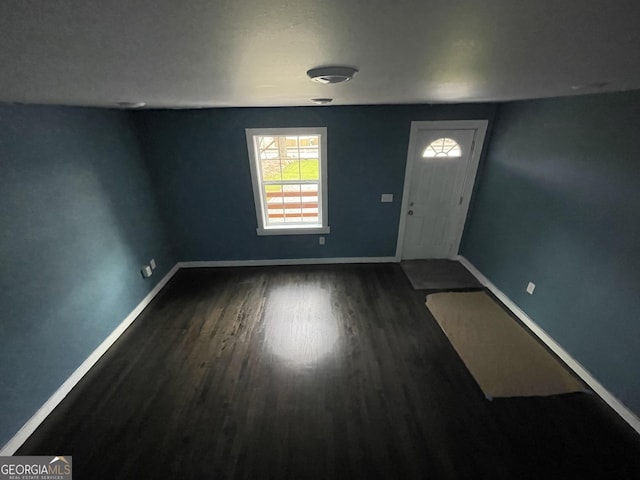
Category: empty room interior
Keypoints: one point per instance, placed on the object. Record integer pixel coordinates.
(383, 239)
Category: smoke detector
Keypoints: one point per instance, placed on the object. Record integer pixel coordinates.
(331, 74)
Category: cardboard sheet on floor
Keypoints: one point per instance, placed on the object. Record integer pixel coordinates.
(502, 356)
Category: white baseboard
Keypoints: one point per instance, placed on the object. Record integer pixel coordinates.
(571, 362)
(287, 261)
(30, 426)
(34, 422)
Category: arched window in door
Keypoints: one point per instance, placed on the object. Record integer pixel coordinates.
(442, 148)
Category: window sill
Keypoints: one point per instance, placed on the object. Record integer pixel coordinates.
(294, 231)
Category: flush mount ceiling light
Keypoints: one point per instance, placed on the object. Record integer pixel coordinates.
(331, 74)
(131, 104)
(322, 101)
(589, 86)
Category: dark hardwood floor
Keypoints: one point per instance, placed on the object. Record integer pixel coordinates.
(313, 372)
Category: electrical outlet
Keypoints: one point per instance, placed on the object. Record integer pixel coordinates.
(152, 264)
(321, 240)
(530, 288)
(146, 271)
(386, 198)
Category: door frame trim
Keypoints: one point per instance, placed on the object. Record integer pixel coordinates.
(480, 126)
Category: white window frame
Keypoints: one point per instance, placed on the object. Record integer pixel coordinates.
(256, 179)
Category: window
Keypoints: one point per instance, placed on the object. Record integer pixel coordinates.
(289, 174)
(442, 148)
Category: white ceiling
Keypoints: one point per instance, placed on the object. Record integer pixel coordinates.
(197, 53)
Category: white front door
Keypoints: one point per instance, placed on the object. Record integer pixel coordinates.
(441, 168)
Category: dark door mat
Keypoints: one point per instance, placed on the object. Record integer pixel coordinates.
(439, 275)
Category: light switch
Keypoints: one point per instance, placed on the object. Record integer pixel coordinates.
(386, 198)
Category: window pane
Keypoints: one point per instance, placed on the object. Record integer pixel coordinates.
(287, 148)
(292, 204)
(291, 170)
(271, 170)
(309, 155)
(310, 206)
(274, 203)
(291, 146)
(309, 169)
(442, 147)
(268, 148)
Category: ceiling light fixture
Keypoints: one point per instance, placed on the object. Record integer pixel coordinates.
(590, 86)
(322, 101)
(131, 104)
(331, 74)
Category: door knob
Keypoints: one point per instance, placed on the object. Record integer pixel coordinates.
(410, 212)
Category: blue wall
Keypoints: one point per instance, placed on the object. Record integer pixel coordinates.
(78, 219)
(198, 160)
(558, 203)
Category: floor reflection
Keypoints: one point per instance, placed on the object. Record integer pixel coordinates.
(300, 326)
